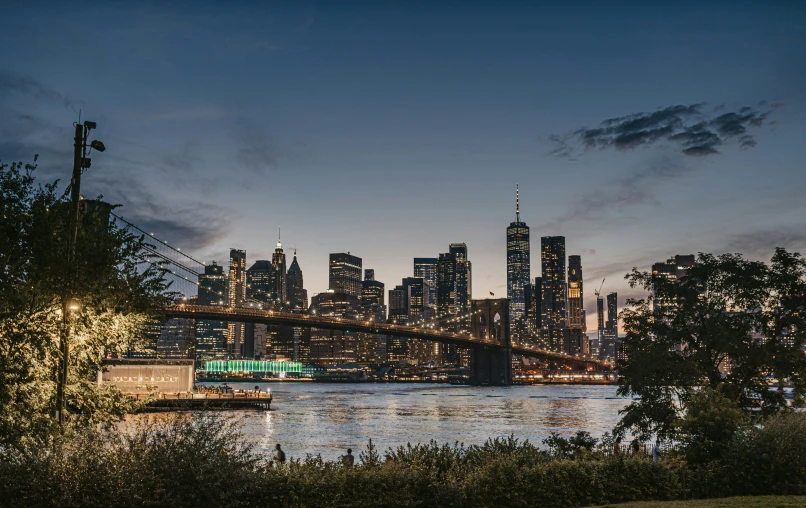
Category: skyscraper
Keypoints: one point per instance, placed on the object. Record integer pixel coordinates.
(464, 283)
(369, 274)
(237, 295)
(612, 313)
(297, 295)
(533, 297)
(446, 284)
(280, 274)
(554, 300)
(371, 348)
(260, 281)
(576, 306)
(332, 346)
(372, 300)
(427, 269)
(399, 305)
(345, 274)
(237, 277)
(415, 287)
(211, 336)
(518, 264)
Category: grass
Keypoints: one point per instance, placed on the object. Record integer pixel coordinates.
(727, 502)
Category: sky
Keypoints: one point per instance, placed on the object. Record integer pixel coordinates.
(637, 130)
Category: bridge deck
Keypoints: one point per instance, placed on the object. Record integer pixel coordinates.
(272, 317)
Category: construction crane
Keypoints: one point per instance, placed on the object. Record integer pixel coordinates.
(600, 289)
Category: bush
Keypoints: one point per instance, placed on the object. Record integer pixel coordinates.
(767, 459)
(710, 423)
(193, 461)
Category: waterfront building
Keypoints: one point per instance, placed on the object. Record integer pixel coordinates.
(518, 265)
(554, 295)
(576, 306)
(331, 346)
(211, 336)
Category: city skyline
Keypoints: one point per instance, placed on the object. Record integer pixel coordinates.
(356, 136)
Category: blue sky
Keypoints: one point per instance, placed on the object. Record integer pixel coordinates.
(390, 129)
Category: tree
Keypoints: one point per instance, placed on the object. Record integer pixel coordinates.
(710, 422)
(729, 324)
(115, 289)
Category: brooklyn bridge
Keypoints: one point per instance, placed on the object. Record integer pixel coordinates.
(489, 341)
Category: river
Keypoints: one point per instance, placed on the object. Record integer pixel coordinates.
(327, 418)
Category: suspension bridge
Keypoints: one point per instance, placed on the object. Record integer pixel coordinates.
(489, 341)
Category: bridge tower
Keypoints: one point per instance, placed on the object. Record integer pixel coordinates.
(491, 364)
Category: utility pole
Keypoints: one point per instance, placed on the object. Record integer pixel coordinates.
(69, 301)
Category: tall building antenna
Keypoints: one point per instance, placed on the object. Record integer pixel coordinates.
(517, 205)
(279, 238)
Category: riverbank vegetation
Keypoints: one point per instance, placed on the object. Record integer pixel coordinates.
(203, 460)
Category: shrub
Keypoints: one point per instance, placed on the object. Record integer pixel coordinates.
(767, 459)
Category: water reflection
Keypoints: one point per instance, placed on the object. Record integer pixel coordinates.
(327, 418)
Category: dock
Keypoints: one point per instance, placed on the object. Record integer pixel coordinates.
(186, 400)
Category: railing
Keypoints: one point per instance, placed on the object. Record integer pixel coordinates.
(202, 396)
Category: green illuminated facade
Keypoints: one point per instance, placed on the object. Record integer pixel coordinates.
(252, 366)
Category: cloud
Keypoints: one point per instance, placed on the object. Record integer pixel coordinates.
(695, 131)
(190, 226)
(630, 189)
(762, 243)
(256, 149)
(27, 86)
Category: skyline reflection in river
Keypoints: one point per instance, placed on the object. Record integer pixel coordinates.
(325, 419)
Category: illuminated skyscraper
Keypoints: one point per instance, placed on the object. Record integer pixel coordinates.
(446, 284)
(211, 336)
(533, 295)
(297, 295)
(554, 300)
(518, 264)
(260, 281)
(612, 313)
(427, 269)
(280, 275)
(371, 348)
(464, 282)
(333, 346)
(237, 295)
(576, 306)
(345, 274)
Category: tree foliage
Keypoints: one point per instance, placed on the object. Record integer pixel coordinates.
(728, 324)
(116, 290)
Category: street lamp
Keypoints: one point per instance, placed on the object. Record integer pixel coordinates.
(69, 302)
